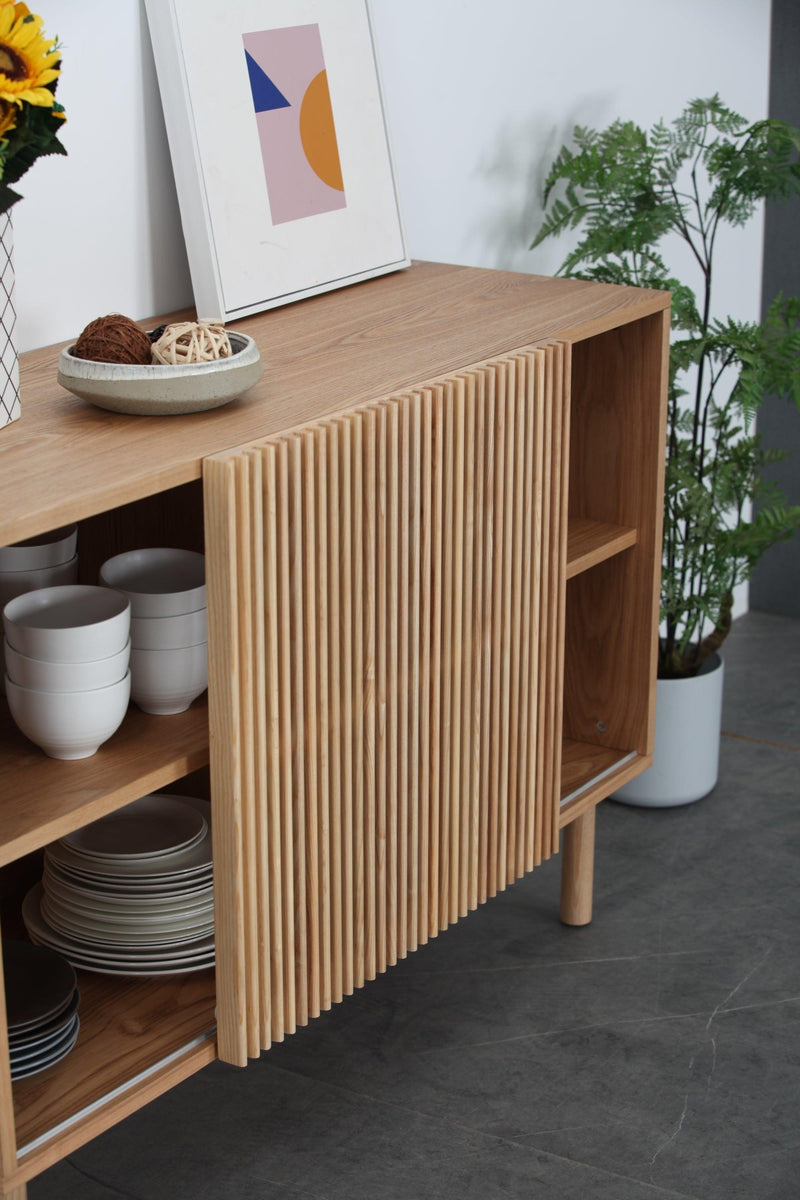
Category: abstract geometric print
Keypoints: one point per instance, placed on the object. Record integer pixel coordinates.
(299, 150)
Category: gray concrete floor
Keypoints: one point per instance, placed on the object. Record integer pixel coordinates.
(653, 1054)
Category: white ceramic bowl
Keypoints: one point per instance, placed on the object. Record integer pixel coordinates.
(69, 724)
(45, 550)
(42, 676)
(169, 633)
(76, 623)
(158, 582)
(167, 681)
(16, 583)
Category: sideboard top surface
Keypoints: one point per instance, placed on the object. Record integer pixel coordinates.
(64, 459)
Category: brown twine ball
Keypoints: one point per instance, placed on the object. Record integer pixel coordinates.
(114, 339)
(200, 341)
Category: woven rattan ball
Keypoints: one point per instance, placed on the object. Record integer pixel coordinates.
(114, 339)
(192, 342)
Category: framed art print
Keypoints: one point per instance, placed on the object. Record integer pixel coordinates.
(279, 148)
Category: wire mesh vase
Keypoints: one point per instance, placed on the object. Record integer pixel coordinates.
(9, 363)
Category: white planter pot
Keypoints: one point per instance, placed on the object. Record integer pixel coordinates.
(686, 756)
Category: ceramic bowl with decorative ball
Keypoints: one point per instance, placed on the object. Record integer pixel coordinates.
(163, 390)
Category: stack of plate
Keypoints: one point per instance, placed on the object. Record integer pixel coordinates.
(42, 1006)
(132, 893)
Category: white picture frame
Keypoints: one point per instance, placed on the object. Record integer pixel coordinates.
(279, 148)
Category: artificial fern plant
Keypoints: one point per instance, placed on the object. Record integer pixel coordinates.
(626, 190)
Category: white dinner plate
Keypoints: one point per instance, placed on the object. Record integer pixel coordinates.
(147, 829)
(98, 932)
(136, 912)
(131, 886)
(166, 866)
(42, 933)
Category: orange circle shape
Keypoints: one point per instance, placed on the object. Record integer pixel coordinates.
(318, 133)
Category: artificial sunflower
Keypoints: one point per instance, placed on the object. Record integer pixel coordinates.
(28, 60)
(30, 116)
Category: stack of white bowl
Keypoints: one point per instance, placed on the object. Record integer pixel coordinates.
(43, 561)
(169, 636)
(67, 681)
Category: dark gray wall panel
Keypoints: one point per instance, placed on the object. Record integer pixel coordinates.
(776, 583)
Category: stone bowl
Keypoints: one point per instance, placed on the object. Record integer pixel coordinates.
(155, 390)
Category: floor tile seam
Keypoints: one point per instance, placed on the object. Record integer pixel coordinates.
(565, 1029)
(490, 1137)
(744, 737)
(287, 1188)
(109, 1187)
(759, 1004)
(548, 964)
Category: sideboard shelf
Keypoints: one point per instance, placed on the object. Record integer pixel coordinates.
(129, 1029)
(432, 537)
(43, 798)
(592, 542)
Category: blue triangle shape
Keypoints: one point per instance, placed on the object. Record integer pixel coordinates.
(265, 95)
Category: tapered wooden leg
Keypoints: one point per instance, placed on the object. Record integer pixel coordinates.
(577, 870)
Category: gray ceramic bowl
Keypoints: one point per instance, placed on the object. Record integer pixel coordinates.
(152, 391)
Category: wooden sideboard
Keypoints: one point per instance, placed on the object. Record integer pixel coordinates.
(433, 544)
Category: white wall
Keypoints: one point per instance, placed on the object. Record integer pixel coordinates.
(479, 97)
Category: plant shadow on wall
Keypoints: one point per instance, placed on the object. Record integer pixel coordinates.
(625, 190)
(515, 185)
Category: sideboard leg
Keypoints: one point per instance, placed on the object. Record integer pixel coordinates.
(577, 870)
(19, 1193)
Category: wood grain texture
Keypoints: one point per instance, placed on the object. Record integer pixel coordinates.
(50, 798)
(408, 535)
(619, 394)
(8, 1142)
(321, 356)
(577, 870)
(226, 730)
(392, 643)
(127, 1026)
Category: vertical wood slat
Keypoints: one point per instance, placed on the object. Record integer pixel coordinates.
(397, 641)
(393, 699)
(487, 782)
(304, 965)
(408, 557)
(8, 1140)
(537, 420)
(258, 818)
(281, 618)
(359, 714)
(250, 883)
(271, 806)
(329, 449)
(563, 359)
(220, 512)
(427, 470)
(435, 726)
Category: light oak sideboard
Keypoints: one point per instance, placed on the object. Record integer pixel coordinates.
(432, 536)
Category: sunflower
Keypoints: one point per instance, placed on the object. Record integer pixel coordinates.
(28, 61)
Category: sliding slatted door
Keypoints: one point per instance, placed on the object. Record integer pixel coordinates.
(386, 654)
